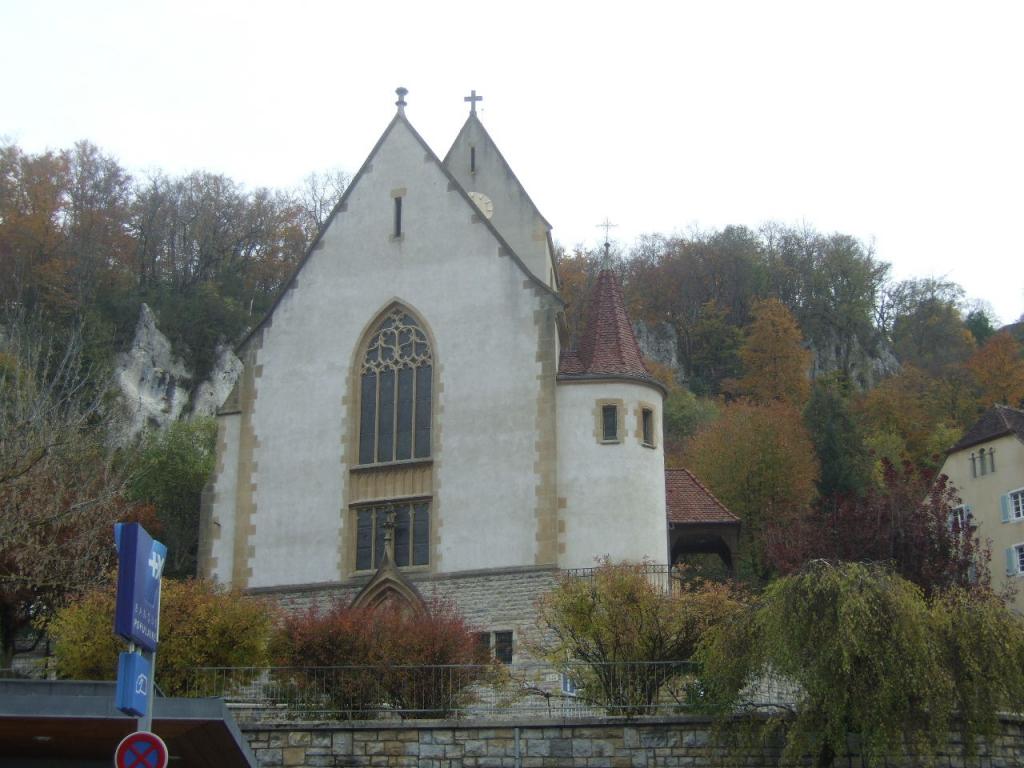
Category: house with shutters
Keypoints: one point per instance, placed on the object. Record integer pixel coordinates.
(987, 468)
(412, 423)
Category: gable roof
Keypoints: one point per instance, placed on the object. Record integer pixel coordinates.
(342, 205)
(608, 347)
(474, 122)
(688, 501)
(997, 421)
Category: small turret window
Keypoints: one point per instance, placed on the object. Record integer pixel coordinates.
(610, 423)
(647, 426)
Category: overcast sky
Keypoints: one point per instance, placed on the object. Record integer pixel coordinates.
(899, 123)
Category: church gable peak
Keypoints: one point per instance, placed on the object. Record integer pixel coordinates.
(475, 161)
(399, 123)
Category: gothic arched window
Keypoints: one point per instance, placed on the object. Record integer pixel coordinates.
(395, 391)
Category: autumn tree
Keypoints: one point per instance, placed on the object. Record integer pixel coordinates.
(927, 329)
(913, 416)
(908, 522)
(201, 625)
(998, 369)
(61, 487)
(775, 364)
(620, 632)
(760, 462)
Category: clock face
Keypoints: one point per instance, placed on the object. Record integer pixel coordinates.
(483, 202)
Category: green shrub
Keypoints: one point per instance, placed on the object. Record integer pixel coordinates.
(200, 626)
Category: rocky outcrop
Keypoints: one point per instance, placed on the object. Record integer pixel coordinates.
(660, 343)
(211, 394)
(156, 386)
(865, 368)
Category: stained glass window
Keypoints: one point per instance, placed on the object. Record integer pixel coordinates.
(395, 392)
(411, 534)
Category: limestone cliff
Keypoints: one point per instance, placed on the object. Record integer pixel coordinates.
(156, 386)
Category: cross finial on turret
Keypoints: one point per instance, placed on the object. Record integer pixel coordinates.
(607, 226)
(401, 99)
(472, 99)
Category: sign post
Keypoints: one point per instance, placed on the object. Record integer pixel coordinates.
(137, 619)
(141, 750)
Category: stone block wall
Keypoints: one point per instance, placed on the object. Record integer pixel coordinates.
(600, 743)
(491, 600)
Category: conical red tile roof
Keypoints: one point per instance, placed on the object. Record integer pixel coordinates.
(608, 346)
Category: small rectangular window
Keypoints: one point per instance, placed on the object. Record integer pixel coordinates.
(610, 423)
(398, 217)
(647, 424)
(503, 647)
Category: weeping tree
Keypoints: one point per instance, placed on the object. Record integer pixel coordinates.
(867, 655)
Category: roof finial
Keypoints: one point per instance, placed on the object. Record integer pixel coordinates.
(472, 99)
(401, 99)
(606, 260)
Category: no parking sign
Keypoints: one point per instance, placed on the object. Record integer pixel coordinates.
(141, 749)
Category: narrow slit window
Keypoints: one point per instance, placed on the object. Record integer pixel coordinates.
(610, 423)
(647, 425)
(398, 216)
(472, 159)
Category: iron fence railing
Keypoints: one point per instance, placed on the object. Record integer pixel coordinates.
(523, 690)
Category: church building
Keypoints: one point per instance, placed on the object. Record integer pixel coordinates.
(411, 422)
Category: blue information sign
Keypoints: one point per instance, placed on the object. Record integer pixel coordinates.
(134, 683)
(141, 563)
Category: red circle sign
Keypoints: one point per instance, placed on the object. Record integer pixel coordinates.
(141, 749)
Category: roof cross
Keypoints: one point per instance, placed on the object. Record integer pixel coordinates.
(472, 99)
(607, 226)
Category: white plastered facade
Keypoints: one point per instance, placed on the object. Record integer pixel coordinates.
(517, 479)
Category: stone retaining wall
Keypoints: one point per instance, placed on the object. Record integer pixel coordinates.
(492, 600)
(600, 743)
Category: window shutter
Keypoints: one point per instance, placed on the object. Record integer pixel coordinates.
(1011, 561)
(968, 514)
(1004, 501)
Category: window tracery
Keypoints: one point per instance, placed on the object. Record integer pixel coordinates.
(395, 392)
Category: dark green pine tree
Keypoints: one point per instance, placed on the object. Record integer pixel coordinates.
(838, 441)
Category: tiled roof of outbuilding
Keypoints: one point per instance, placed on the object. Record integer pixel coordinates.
(997, 421)
(608, 346)
(687, 500)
